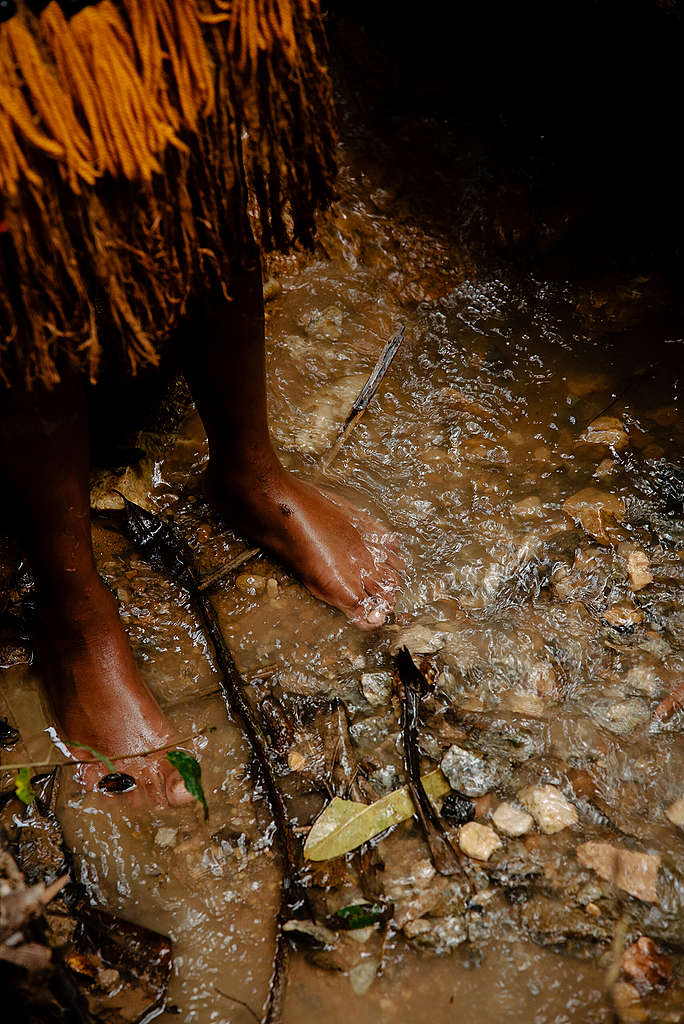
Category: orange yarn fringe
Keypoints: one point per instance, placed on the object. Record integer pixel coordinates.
(135, 139)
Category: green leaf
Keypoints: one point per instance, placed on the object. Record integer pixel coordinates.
(109, 765)
(360, 915)
(346, 824)
(188, 768)
(23, 787)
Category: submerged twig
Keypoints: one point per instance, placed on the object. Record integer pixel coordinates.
(411, 686)
(163, 544)
(15, 765)
(364, 397)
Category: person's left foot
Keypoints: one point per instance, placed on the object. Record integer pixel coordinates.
(343, 556)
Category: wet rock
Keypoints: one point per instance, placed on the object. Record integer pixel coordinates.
(272, 587)
(419, 639)
(165, 837)
(443, 935)
(604, 469)
(469, 773)
(606, 430)
(363, 975)
(376, 687)
(511, 820)
(326, 324)
(638, 565)
(310, 934)
(623, 615)
(414, 928)
(626, 1003)
(596, 511)
(272, 289)
(675, 812)
(636, 873)
(553, 921)
(541, 679)
(250, 583)
(621, 717)
(645, 966)
(549, 808)
(528, 508)
(478, 841)
(457, 810)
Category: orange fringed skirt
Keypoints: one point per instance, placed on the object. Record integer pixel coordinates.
(144, 144)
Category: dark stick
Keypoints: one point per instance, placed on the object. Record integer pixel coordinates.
(161, 542)
(411, 686)
(364, 397)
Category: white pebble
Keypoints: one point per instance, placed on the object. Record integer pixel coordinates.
(165, 837)
(478, 841)
(549, 808)
(512, 821)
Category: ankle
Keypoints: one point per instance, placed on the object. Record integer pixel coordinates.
(239, 477)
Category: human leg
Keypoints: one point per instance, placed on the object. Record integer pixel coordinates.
(95, 688)
(343, 557)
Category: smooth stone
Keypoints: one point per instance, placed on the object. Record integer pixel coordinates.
(636, 873)
(675, 812)
(376, 687)
(419, 640)
(623, 615)
(478, 841)
(469, 773)
(638, 565)
(549, 808)
(621, 717)
(594, 510)
(607, 430)
(511, 820)
(249, 583)
(528, 508)
(165, 837)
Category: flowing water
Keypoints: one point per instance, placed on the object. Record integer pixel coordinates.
(527, 613)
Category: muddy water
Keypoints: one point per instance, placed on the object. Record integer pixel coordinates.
(528, 615)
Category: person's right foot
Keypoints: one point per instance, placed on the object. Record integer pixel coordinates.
(98, 695)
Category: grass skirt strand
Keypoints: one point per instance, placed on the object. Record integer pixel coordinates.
(143, 145)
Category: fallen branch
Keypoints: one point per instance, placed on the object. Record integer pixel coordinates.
(411, 686)
(162, 544)
(17, 765)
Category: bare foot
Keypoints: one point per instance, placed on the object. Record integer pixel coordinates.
(99, 697)
(343, 556)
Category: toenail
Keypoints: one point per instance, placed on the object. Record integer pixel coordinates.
(116, 782)
(377, 616)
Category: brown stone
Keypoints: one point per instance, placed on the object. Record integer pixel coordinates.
(636, 873)
(595, 511)
(645, 966)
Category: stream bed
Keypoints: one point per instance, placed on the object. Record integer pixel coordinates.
(523, 446)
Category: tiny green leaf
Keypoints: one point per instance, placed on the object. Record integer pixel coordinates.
(360, 915)
(97, 754)
(23, 787)
(188, 768)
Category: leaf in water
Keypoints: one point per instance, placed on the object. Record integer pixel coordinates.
(188, 767)
(96, 754)
(360, 915)
(346, 824)
(23, 787)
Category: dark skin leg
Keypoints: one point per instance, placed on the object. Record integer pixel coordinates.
(96, 691)
(344, 557)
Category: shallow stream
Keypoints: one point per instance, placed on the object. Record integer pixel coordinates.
(552, 626)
